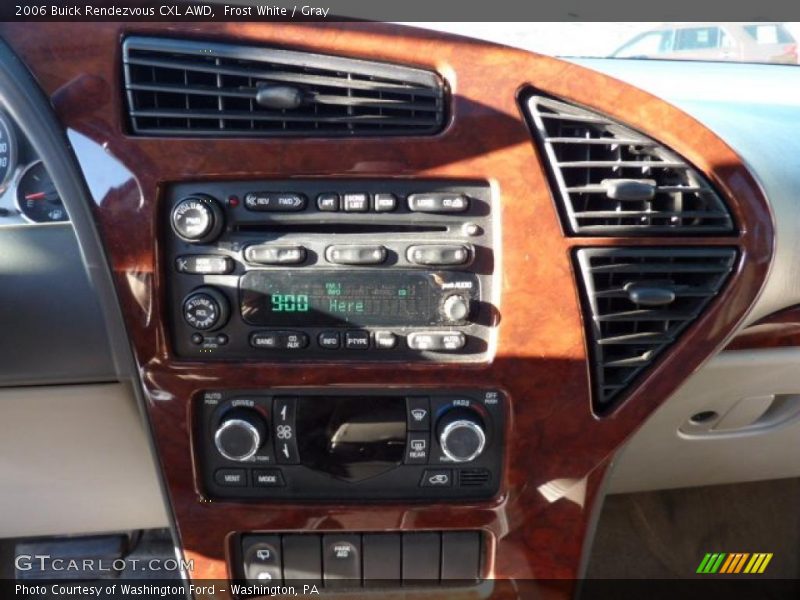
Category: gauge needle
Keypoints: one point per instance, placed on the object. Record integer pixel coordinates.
(36, 196)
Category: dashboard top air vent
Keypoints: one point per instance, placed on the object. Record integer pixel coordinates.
(639, 301)
(186, 88)
(612, 180)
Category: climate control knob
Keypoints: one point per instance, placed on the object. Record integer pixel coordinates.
(240, 434)
(206, 309)
(455, 308)
(461, 434)
(197, 219)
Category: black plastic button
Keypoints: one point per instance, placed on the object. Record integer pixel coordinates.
(273, 254)
(221, 339)
(275, 201)
(437, 478)
(380, 553)
(231, 477)
(438, 254)
(284, 430)
(328, 202)
(385, 340)
(385, 202)
(262, 558)
(418, 413)
(355, 202)
(461, 555)
(418, 448)
(197, 339)
(329, 340)
(204, 264)
(279, 340)
(268, 478)
(356, 255)
(356, 340)
(302, 558)
(436, 340)
(438, 202)
(341, 558)
(421, 557)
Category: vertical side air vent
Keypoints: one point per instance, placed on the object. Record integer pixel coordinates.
(186, 88)
(612, 180)
(639, 301)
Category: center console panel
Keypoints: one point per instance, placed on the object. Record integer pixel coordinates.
(331, 270)
(351, 445)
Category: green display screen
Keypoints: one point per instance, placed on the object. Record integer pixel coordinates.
(331, 298)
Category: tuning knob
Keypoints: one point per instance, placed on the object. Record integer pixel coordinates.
(456, 307)
(205, 309)
(240, 434)
(461, 434)
(197, 219)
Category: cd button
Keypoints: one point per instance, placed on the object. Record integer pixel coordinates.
(328, 202)
(438, 202)
(355, 202)
(385, 202)
(356, 340)
(356, 255)
(417, 448)
(329, 340)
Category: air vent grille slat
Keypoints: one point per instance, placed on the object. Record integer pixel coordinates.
(193, 89)
(626, 338)
(589, 156)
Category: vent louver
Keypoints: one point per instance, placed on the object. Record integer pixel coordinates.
(612, 180)
(183, 88)
(639, 301)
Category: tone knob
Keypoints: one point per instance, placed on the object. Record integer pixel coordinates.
(240, 434)
(456, 307)
(461, 434)
(198, 219)
(205, 309)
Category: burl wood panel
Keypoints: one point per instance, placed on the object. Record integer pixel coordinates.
(778, 330)
(558, 450)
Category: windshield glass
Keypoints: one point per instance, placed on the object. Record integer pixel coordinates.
(756, 42)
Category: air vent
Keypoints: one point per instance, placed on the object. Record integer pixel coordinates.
(612, 180)
(639, 302)
(474, 477)
(183, 88)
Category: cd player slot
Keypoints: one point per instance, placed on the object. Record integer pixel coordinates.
(337, 228)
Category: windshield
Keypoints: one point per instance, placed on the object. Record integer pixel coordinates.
(755, 42)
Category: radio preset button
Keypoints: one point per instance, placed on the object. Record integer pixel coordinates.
(328, 202)
(355, 202)
(356, 340)
(438, 254)
(418, 448)
(436, 341)
(204, 264)
(275, 201)
(385, 202)
(272, 254)
(385, 340)
(438, 202)
(329, 340)
(279, 340)
(356, 254)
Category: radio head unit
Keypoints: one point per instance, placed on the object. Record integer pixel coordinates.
(331, 270)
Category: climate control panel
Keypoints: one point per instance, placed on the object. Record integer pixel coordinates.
(351, 445)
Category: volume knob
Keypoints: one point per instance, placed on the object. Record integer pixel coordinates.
(197, 219)
(240, 434)
(456, 308)
(461, 435)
